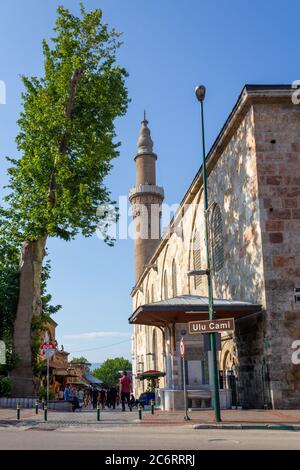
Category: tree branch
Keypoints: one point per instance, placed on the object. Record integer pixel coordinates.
(63, 146)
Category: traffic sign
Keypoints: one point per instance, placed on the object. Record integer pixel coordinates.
(182, 348)
(48, 349)
(48, 353)
(211, 326)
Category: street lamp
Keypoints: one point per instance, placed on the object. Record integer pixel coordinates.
(200, 94)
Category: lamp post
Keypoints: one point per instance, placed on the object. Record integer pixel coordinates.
(200, 94)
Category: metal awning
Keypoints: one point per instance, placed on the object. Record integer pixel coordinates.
(186, 308)
(91, 379)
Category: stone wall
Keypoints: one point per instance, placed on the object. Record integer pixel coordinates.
(277, 134)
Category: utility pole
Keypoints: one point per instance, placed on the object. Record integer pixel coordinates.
(200, 94)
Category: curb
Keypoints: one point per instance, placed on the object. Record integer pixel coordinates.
(240, 427)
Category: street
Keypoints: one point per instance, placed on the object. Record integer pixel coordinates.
(154, 438)
(122, 431)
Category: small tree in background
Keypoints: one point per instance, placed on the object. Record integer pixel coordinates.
(79, 360)
(67, 144)
(109, 372)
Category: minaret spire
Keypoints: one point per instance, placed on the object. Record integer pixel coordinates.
(146, 199)
(145, 143)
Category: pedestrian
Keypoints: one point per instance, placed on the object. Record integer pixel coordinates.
(125, 390)
(61, 394)
(103, 398)
(108, 398)
(81, 397)
(67, 393)
(87, 398)
(95, 398)
(113, 396)
(75, 399)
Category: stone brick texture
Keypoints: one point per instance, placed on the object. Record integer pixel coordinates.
(278, 176)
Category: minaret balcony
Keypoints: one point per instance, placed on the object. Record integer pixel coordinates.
(146, 189)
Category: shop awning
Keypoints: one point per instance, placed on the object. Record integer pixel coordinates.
(151, 374)
(91, 379)
(186, 308)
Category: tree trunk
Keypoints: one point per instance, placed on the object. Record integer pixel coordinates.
(29, 305)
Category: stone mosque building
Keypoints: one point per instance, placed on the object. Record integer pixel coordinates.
(254, 219)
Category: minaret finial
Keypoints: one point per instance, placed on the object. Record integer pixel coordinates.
(145, 143)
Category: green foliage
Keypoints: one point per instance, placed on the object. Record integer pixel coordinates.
(5, 387)
(10, 245)
(79, 360)
(152, 384)
(9, 280)
(42, 394)
(67, 134)
(109, 372)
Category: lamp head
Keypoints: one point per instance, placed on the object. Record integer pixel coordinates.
(200, 92)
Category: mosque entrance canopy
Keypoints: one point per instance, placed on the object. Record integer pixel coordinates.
(186, 308)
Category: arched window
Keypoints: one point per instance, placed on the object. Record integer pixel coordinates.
(217, 239)
(152, 293)
(197, 257)
(174, 278)
(166, 293)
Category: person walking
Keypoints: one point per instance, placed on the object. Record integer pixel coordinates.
(113, 396)
(87, 399)
(125, 390)
(67, 393)
(81, 397)
(103, 398)
(75, 399)
(95, 398)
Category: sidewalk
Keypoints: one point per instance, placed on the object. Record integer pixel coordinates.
(231, 419)
(199, 419)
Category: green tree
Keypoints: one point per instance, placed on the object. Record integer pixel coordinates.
(109, 372)
(79, 360)
(67, 144)
(9, 293)
(9, 284)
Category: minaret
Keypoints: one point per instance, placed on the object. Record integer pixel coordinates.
(146, 199)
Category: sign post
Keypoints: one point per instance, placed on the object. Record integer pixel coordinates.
(48, 350)
(182, 354)
(213, 328)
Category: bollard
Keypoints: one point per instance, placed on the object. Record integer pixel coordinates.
(152, 407)
(140, 412)
(43, 404)
(45, 412)
(18, 411)
(36, 407)
(98, 412)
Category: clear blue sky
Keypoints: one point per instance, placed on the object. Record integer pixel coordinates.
(170, 46)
